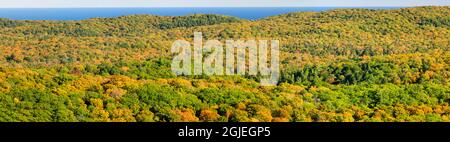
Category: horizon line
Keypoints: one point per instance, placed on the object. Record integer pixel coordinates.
(393, 6)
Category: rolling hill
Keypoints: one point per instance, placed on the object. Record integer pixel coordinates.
(339, 65)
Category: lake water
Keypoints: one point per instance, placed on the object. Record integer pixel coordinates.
(86, 13)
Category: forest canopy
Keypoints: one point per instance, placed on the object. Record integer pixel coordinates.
(343, 65)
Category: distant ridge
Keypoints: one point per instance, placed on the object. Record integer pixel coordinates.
(250, 13)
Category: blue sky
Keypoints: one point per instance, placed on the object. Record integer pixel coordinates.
(215, 3)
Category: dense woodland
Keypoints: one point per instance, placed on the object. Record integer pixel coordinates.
(344, 65)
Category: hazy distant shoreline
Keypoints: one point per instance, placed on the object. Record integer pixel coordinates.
(250, 13)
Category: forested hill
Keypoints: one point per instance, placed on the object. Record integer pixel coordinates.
(336, 32)
(115, 26)
(337, 65)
